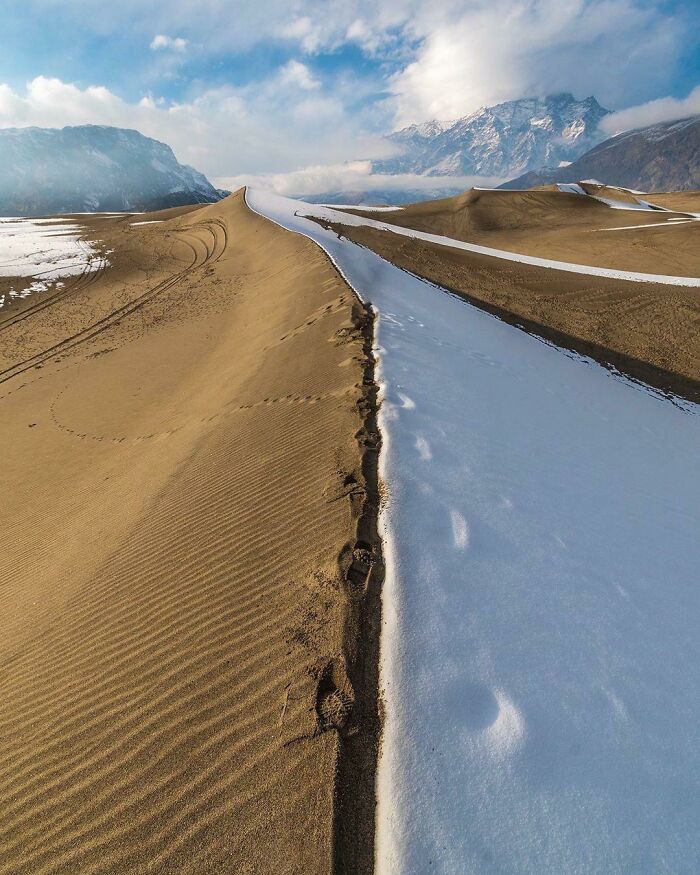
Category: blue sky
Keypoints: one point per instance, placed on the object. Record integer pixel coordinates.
(302, 87)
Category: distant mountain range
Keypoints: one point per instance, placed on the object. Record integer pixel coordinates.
(498, 142)
(662, 157)
(502, 141)
(93, 168)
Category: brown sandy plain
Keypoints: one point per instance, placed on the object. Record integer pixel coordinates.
(189, 571)
(650, 331)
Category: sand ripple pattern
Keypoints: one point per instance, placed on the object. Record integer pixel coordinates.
(159, 713)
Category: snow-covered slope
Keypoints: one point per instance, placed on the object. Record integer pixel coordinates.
(503, 140)
(92, 168)
(540, 656)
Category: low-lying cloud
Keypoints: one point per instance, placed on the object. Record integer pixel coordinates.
(353, 176)
(276, 125)
(665, 109)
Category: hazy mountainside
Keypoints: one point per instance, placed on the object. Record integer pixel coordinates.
(662, 157)
(502, 140)
(93, 168)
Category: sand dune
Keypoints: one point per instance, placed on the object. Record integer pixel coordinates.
(564, 227)
(647, 330)
(541, 600)
(678, 200)
(181, 474)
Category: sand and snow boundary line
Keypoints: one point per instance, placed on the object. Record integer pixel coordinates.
(541, 551)
(362, 567)
(351, 219)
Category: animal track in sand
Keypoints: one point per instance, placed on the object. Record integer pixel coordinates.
(336, 306)
(197, 420)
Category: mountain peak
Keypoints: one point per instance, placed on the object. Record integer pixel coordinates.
(503, 140)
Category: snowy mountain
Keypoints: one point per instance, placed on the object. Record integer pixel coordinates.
(662, 157)
(93, 168)
(503, 140)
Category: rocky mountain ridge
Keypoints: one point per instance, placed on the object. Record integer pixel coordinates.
(661, 157)
(503, 140)
(92, 168)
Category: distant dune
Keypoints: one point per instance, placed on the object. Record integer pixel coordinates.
(646, 329)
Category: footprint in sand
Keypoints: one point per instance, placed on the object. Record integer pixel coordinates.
(460, 530)
(424, 449)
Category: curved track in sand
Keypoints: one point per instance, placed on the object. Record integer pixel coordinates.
(44, 300)
(195, 241)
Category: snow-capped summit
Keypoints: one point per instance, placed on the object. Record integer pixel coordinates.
(501, 140)
(93, 168)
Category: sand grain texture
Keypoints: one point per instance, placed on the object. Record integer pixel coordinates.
(180, 475)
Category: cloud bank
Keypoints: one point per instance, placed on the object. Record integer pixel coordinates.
(664, 109)
(488, 52)
(352, 176)
(225, 130)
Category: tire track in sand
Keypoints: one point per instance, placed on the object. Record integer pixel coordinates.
(193, 242)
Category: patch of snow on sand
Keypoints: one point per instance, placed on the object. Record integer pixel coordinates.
(43, 251)
(669, 223)
(571, 188)
(541, 684)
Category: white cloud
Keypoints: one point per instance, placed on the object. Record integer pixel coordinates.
(665, 109)
(161, 41)
(221, 131)
(439, 59)
(495, 50)
(295, 73)
(350, 176)
(448, 57)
